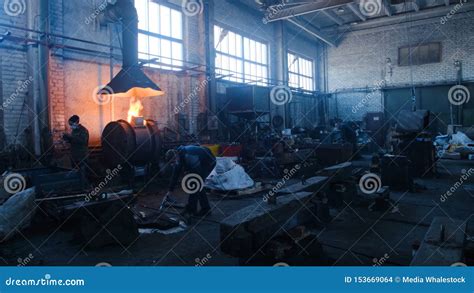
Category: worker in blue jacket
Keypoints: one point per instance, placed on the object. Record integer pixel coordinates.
(196, 163)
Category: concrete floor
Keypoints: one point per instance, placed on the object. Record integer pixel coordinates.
(356, 236)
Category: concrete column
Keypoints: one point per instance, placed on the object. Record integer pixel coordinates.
(280, 64)
(211, 59)
(42, 103)
(34, 141)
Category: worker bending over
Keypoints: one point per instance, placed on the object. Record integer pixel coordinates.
(195, 160)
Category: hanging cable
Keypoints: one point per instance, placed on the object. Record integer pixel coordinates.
(410, 56)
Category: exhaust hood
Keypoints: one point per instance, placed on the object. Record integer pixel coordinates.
(131, 81)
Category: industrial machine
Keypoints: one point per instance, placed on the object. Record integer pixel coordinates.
(376, 128)
(249, 107)
(135, 145)
(416, 141)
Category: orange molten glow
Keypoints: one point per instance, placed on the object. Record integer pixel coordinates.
(135, 109)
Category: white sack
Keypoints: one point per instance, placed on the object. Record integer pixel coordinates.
(228, 175)
(461, 139)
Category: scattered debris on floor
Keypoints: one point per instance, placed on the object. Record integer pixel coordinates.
(455, 147)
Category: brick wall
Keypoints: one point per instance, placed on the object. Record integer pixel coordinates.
(14, 76)
(85, 72)
(56, 72)
(360, 60)
(73, 75)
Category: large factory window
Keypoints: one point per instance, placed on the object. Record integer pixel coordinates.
(239, 58)
(300, 72)
(160, 35)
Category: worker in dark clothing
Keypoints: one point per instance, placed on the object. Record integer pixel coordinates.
(350, 135)
(79, 141)
(197, 162)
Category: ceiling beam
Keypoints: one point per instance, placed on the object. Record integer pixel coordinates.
(315, 33)
(329, 14)
(423, 16)
(356, 11)
(278, 13)
(416, 5)
(386, 6)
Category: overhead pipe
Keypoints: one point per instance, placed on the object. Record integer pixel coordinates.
(209, 69)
